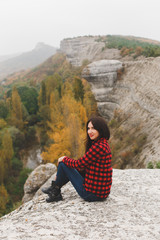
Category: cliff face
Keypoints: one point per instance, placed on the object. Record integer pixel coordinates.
(102, 76)
(130, 212)
(86, 48)
(136, 93)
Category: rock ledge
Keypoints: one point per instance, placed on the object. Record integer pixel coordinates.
(131, 212)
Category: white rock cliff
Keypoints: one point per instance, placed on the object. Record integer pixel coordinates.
(102, 75)
(86, 48)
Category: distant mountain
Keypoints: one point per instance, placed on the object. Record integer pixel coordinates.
(6, 57)
(26, 60)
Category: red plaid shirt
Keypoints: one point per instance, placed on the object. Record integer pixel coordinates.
(97, 165)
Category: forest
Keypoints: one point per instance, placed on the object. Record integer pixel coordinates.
(49, 107)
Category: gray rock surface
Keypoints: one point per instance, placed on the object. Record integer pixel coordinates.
(130, 213)
(86, 48)
(136, 94)
(36, 179)
(102, 76)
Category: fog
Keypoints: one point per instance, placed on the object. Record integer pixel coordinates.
(24, 23)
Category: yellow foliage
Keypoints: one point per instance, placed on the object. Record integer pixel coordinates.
(60, 147)
(54, 97)
(7, 145)
(2, 123)
(7, 151)
(1, 168)
(67, 130)
(83, 115)
(17, 118)
(3, 198)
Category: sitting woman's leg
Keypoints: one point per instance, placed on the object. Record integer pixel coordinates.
(66, 174)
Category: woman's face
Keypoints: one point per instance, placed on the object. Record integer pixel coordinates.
(92, 132)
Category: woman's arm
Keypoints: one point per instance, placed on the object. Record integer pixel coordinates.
(90, 156)
(60, 159)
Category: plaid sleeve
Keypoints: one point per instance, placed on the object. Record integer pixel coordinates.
(84, 161)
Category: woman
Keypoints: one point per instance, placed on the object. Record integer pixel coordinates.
(91, 175)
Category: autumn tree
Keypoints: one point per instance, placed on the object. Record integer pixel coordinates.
(50, 84)
(3, 109)
(55, 108)
(68, 133)
(78, 89)
(3, 199)
(7, 152)
(1, 168)
(2, 123)
(42, 94)
(16, 112)
(89, 101)
(53, 84)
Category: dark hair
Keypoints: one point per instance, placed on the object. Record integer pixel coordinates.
(100, 125)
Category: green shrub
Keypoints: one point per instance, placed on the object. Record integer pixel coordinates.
(130, 45)
(150, 165)
(158, 164)
(23, 176)
(16, 188)
(113, 123)
(17, 166)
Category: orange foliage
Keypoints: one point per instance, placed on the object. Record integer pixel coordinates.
(67, 130)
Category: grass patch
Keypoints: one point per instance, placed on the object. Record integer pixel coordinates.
(131, 45)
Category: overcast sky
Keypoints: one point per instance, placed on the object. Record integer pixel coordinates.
(24, 23)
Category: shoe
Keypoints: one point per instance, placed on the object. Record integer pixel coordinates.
(54, 198)
(49, 189)
(54, 193)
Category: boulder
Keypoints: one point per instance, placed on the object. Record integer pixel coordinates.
(36, 179)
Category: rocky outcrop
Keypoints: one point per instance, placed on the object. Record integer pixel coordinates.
(131, 212)
(136, 94)
(36, 179)
(84, 48)
(102, 76)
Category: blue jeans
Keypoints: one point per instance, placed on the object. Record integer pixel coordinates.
(66, 174)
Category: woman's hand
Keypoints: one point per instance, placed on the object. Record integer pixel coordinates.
(60, 159)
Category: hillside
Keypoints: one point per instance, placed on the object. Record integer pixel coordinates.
(54, 64)
(26, 60)
(6, 57)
